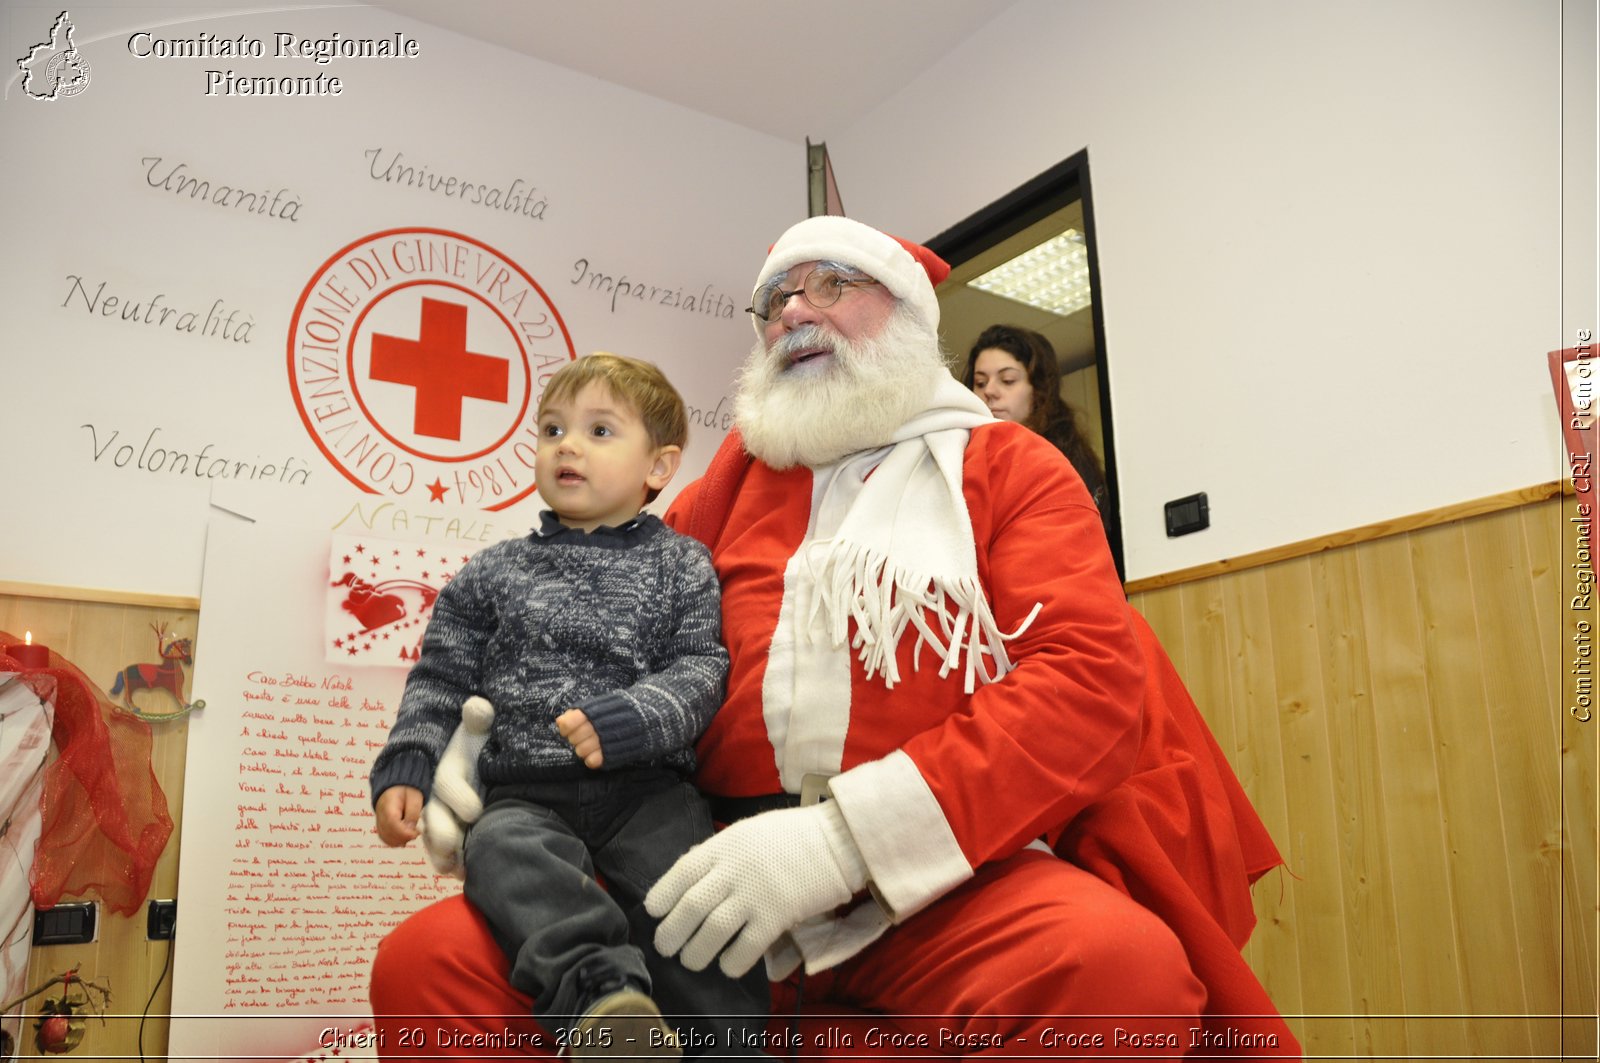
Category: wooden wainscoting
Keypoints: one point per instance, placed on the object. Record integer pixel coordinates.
(101, 637)
(1395, 709)
(1394, 706)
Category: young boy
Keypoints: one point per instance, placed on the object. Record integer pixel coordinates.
(597, 639)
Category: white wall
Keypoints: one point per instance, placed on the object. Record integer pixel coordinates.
(640, 189)
(1330, 237)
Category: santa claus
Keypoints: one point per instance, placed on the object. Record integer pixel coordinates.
(963, 786)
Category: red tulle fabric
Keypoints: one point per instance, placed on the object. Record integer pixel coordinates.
(104, 816)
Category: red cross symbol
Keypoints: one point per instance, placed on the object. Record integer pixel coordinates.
(441, 368)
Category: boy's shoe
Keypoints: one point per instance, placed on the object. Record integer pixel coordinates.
(624, 1024)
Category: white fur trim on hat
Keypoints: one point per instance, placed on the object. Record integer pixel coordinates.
(829, 238)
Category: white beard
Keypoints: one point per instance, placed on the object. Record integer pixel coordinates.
(798, 415)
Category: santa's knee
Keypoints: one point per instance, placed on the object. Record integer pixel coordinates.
(412, 945)
(1131, 963)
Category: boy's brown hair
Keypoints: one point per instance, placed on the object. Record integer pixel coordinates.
(640, 384)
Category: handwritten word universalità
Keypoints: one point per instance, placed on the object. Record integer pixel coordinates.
(217, 321)
(200, 463)
(271, 202)
(517, 197)
(710, 301)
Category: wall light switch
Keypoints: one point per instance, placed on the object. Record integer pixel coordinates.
(65, 924)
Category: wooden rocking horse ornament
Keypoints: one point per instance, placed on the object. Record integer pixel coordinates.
(167, 676)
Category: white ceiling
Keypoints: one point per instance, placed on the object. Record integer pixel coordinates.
(790, 68)
(726, 58)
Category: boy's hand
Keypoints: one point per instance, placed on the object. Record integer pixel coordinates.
(397, 812)
(580, 735)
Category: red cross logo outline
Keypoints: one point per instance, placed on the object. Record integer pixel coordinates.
(322, 392)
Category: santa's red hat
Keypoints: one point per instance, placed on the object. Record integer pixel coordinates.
(908, 270)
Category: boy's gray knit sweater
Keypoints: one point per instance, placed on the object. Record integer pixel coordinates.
(623, 623)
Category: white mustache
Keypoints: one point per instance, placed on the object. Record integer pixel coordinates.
(803, 338)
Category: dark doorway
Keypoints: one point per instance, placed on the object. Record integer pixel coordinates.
(1053, 211)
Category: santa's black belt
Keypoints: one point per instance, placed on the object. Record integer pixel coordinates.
(727, 810)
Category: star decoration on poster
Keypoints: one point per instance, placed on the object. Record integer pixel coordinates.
(379, 598)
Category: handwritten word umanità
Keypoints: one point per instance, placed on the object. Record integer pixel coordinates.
(519, 197)
(153, 312)
(672, 298)
(272, 202)
(201, 464)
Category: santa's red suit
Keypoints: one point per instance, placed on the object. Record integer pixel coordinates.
(975, 937)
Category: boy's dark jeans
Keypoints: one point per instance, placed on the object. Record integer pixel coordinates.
(531, 861)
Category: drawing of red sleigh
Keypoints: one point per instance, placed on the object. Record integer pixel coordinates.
(377, 605)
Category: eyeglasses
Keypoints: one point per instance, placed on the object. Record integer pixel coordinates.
(821, 288)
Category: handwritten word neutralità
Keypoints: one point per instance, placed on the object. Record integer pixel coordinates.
(153, 311)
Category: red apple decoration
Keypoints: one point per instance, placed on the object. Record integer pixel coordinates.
(58, 1030)
(53, 1034)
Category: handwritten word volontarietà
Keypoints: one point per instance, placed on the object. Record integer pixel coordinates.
(709, 301)
(271, 202)
(201, 463)
(217, 321)
(518, 197)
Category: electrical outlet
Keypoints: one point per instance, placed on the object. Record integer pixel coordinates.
(162, 921)
(66, 924)
(1188, 515)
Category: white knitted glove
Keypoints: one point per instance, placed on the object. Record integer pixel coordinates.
(455, 801)
(752, 882)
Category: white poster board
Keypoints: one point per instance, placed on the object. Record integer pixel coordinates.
(287, 889)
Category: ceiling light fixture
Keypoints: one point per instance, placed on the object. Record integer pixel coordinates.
(1052, 276)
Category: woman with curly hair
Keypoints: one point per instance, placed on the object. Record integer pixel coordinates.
(1014, 371)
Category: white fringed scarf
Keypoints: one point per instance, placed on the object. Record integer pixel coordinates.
(895, 549)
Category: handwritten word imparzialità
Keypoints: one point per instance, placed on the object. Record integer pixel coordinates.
(710, 301)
